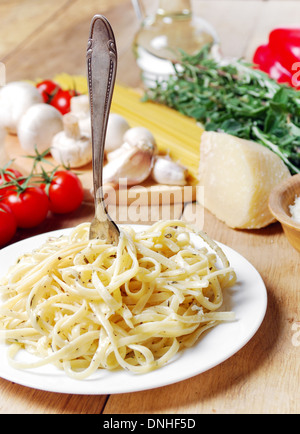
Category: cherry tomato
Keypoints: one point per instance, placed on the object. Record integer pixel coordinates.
(48, 89)
(65, 192)
(8, 224)
(62, 101)
(8, 175)
(30, 207)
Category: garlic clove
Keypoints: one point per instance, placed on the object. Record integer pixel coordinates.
(118, 152)
(69, 147)
(38, 126)
(139, 136)
(135, 137)
(133, 163)
(116, 128)
(168, 172)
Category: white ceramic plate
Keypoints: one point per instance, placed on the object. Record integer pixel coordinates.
(248, 299)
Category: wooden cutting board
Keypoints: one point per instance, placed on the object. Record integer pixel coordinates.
(170, 130)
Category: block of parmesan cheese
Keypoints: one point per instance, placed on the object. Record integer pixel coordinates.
(238, 176)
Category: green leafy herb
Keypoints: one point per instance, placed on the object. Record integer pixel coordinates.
(235, 98)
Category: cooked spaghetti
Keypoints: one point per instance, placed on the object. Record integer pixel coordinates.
(85, 305)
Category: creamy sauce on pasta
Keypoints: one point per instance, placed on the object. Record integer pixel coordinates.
(86, 305)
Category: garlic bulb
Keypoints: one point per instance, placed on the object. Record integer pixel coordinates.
(15, 99)
(116, 128)
(139, 136)
(38, 126)
(70, 147)
(133, 163)
(118, 152)
(168, 172)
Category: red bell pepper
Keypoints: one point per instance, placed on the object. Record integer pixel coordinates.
(280, 58)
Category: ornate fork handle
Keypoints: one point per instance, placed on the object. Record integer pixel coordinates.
(102, 67)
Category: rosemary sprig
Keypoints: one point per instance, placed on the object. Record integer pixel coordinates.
(234, 97)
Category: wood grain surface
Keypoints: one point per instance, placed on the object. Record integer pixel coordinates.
(41, 39)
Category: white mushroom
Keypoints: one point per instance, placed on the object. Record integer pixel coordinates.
(116, 128)
(85, 126)
(168, 172)
(70, 147)
(15, 100)
(38, 126)
(133, 163)
(80, 106)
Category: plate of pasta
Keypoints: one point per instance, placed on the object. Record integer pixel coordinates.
(85, 317)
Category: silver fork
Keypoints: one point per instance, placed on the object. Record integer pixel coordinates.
(102, 66)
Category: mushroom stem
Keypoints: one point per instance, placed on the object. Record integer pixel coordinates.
(71, 126)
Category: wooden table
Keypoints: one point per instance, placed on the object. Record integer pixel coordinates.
(40, 39)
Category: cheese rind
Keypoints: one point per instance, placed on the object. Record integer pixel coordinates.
(238, 176)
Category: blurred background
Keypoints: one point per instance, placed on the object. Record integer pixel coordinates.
(40, 38)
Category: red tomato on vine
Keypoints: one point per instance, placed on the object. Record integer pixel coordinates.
(29, 205)
(62, 101)
(48, 89)
(65, 191)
